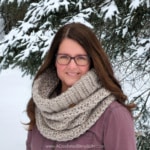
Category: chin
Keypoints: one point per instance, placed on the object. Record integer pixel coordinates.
(71, 84)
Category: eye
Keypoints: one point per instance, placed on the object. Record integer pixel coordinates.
(82, 58)
(63, 57)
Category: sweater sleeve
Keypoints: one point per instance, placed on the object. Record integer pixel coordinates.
(118, 130)
(28, 141)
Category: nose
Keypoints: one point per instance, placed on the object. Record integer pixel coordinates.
(72, 63)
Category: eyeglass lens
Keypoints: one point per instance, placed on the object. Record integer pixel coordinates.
(79, 59)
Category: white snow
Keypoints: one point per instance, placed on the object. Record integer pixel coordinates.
(136, 3)
(54, 5)
(110, 8)
(10, 1)
(15, 93)
(81, 17)
(124, 32)
(79, 4)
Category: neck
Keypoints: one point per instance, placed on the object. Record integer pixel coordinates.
(64, 88)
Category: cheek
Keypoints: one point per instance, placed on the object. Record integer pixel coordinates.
(59, 69)
(85, 70)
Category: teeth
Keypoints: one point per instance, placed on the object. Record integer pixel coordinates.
(72, 74)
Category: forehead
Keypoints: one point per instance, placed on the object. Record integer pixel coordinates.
(72, 47)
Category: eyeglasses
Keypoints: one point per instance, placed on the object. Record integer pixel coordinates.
(80, 60)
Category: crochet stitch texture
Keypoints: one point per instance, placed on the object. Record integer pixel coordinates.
(55, 119)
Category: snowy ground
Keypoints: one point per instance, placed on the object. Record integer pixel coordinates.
(15, 92)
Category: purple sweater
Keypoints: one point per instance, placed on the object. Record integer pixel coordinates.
(113, 131)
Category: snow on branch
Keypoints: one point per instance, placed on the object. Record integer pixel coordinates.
(109, 9)
(136, 3)
(82, 16)
(11, 1)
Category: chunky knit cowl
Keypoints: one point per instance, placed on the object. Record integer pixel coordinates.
(55, 119)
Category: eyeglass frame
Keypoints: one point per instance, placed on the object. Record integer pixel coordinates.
(74, 58)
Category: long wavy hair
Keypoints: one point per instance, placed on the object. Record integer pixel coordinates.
(99, 60)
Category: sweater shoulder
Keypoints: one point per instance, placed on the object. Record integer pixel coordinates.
(115, 112)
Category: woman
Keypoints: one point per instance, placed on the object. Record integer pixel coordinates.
(77, 103)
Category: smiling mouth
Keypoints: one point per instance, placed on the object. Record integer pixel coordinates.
(73, 74)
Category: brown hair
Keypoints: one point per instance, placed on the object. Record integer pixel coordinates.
(99, 60)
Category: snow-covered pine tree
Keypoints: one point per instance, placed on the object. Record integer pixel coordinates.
(123, 28)
(12, 11)
(26, 44)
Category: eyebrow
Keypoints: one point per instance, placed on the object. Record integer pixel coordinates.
(70, 55)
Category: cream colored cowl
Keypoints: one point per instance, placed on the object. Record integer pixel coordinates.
(55, 119)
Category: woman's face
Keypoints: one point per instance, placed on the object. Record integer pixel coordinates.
(71, 72)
